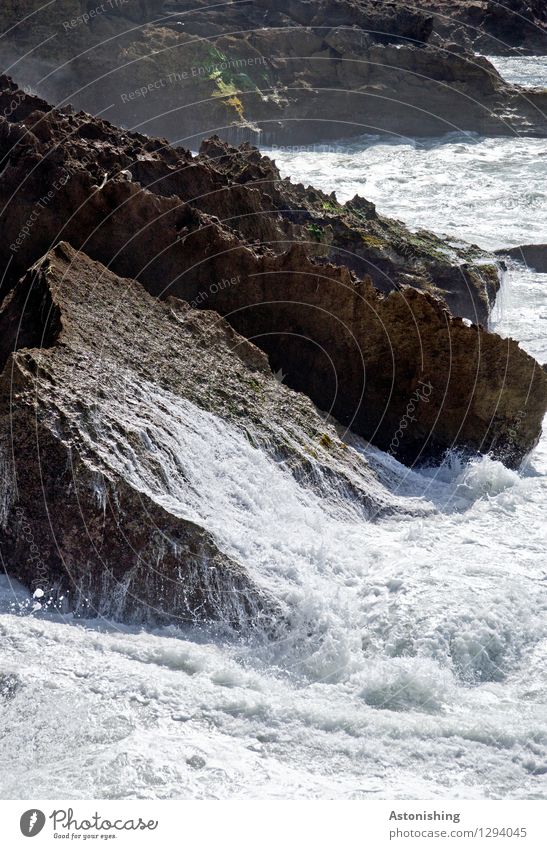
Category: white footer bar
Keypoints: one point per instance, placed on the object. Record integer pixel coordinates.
(248, 824)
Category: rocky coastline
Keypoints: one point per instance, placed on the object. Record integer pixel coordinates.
(284, 72)
(150, 294)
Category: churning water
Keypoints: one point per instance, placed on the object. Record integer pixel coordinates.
(413, 658)
(529, 71)
(491, 192)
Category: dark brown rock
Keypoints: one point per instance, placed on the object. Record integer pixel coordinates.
(265, 264)
(489, 26)
(155, 212)
(92, 508)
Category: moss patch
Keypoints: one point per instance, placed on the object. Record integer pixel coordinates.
(315, 231)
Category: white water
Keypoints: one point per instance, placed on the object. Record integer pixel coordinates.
(413, 662)
(491, 192)
(528, 71)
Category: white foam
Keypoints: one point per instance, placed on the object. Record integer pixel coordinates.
(412, 660)
(490, 192)
(527, 71)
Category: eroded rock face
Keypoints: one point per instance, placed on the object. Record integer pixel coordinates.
(156, 213)
(291, 73)
(488, 26)
(365, 356)
(356, 235)
(108, 397)
(268, 264)
(116, 409)
(74, 527)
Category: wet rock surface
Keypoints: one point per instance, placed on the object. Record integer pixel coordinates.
(148, 208)
(109, 397)
(533, 256)
(490, 27)
(102, 387)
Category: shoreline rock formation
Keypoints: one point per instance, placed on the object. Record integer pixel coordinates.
(533, 256)
(117, 194)
(101, 385)
(490, 27)
(109, 399)
(222, 232)
(279, 71)
(117, 374)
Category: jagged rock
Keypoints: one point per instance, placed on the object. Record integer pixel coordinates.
(355, 235)
(102, 391)
(356, 351)
(74, 527)
(290, 73)
(521, 23)
(489, 26)
(104, 186)
(363, 356)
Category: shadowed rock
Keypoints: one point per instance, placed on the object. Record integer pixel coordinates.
(154, 212)
(104, 414)
(290, 72)
(534, 256)
(151, 212)
(489, 26)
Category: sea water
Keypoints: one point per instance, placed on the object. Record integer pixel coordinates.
(412, 660)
